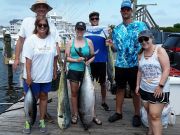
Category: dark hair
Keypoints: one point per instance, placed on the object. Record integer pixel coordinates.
(93, 14)
(37, 22)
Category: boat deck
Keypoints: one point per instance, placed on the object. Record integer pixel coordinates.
(11, 123)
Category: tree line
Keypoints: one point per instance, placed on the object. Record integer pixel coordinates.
(175, 28)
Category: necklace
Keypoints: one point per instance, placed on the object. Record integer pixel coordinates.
(147, 56)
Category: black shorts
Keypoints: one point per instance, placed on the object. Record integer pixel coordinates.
(75, 76)
(98, 71)
(149, 97)
(124, 75)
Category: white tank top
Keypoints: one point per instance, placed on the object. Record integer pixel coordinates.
(151, 73)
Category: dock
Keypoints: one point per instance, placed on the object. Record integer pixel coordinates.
(11, 123)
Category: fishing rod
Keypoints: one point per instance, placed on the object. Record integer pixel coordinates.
(49, 101)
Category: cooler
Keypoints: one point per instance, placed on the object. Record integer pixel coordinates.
(175, 94)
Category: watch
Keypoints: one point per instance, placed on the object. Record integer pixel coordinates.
(161, 86)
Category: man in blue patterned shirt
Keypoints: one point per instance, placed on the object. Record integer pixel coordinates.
(125, 40)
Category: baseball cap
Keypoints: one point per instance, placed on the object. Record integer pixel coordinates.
(126, 3)
(80, 25)
(146, 33)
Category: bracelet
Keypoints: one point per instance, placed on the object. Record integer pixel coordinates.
(161, 86)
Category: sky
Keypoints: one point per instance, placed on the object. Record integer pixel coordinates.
(165, 13)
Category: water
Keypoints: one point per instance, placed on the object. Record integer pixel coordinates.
(10, 90)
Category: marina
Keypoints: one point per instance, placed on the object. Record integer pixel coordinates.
(12, 110)
(10, 89)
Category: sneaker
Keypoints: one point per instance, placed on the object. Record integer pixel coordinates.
(27, 128)
(42, 126)
(136, 122)
(115, 117)
(105, 107)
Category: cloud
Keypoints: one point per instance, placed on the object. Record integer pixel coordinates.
(159, 12)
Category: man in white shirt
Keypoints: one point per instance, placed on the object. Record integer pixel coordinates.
(41, 8)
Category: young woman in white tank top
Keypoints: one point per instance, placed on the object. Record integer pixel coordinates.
(152, 80)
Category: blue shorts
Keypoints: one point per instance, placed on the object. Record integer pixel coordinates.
(38, 87)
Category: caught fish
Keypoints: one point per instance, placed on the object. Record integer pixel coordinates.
(30, 107)
(63, 110)
(86, 100)
(110, 66)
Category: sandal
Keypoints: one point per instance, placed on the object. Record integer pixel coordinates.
(74, 119)
(97, 121)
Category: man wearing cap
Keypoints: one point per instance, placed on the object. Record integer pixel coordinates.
(125, 40)
(98, 68)
(41, 8)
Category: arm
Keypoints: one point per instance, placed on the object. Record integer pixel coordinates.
(139, 74)
(165, 65)
(91, 47)
(28, 70)
(19, 46)
(55, 67)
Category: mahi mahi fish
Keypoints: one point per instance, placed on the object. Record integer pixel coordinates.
(30, 107)
(110, 66)
(63, 110)
(86, 99)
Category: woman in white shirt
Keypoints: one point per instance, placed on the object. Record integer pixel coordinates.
(152, 80)
(40, 66)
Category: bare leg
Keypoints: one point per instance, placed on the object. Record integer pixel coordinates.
(119, 100)
(137, 104)
(146, 106)
(155, 111)
(43, 104)
(103, 92)
(74, 97)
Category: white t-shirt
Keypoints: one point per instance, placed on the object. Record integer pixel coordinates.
(42, 53)
(27, 28)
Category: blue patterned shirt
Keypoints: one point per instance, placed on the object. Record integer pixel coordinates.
(125, 39)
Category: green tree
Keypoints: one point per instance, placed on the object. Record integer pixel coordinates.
(177, 25)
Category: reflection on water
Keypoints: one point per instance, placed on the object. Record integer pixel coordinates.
(10, 90)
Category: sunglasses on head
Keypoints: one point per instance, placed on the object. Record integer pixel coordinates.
(94, 18)
(42, 25)
(141, 39)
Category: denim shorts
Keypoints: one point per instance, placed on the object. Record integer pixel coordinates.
(37, 87)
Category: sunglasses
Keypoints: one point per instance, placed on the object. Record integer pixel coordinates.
(141, 39)
(95, 18)
(42, 25)
(125, 9)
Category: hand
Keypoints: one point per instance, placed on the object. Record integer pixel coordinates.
(16, 64)
(28, 81)
(109, 42)
(158, 92)
(137, 91)
(87, 63)
(80, 59)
